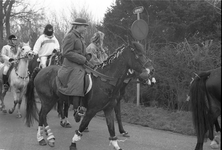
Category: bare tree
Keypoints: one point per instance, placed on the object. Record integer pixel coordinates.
(12, 10)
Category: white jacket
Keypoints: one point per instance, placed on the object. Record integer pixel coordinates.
(45, 45)
(7, 53)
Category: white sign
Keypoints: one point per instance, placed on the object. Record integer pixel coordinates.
(138, 10)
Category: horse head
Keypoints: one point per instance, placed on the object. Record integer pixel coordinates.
(139, 62)
(26, 52)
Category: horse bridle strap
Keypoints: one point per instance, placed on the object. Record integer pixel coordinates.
(103, 77)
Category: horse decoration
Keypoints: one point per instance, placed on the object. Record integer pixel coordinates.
(18, 79)
(205, 97)
(102, 96)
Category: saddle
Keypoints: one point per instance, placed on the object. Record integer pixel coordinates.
(47, 61)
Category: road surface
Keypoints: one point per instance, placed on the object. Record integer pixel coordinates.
(14, 135)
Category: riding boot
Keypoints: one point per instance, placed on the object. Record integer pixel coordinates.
(82, 108)
(5, 82)
(80, 111)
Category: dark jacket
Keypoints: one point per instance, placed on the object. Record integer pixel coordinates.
(71, 74)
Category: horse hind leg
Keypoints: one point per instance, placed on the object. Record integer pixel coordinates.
(43, 122)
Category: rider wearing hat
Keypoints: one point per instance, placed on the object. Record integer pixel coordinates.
(45, 45)
(9, 53)
(72, 72)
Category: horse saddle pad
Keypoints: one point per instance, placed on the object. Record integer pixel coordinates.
(87, 83)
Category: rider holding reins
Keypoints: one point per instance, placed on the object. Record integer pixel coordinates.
(9, 53)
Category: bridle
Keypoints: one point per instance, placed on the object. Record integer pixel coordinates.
(137, 57)
(16, 67)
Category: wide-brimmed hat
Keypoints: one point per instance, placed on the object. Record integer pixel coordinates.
(80, 21)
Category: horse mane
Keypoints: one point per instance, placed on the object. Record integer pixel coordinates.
(112, 57)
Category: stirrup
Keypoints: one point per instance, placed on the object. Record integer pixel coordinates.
(81, 111)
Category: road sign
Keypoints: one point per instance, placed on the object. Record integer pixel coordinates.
(139, 29)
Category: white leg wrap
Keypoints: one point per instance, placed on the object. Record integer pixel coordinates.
(148, 82)
(49, 133)
(63, 120)
(76, 138)
(153, 80)
(114, 143)
(40, 133)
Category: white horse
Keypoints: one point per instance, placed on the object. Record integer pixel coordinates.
(18, 79)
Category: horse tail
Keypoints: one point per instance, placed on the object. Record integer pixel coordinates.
(31, 108)
(200, 106)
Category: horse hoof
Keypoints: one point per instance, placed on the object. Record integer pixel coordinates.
(125, 134)
(10, 111)
(42, 142)
(77, 117)
(214, 145)
(67, 125)
(51, 142)
(19, 116)
(4, 111)
(72, 146)
(86, 129)
(62, 124)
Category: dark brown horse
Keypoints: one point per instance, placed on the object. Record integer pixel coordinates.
(101, 97)
(64, 107)
(205, 96)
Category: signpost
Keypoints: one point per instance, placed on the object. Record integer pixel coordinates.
(139, 30)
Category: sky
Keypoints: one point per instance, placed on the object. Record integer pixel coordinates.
(95, 7)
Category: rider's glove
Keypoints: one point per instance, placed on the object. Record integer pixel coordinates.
(11, 59)
(55, 51)
(89, 64)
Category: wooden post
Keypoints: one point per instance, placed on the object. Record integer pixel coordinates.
(137, 93)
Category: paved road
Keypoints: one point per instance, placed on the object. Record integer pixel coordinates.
(14, 135)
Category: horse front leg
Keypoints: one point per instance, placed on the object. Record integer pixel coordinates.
(109, 114)
(78, 133)
(19, 115)
(16, 99)
(118, 118)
